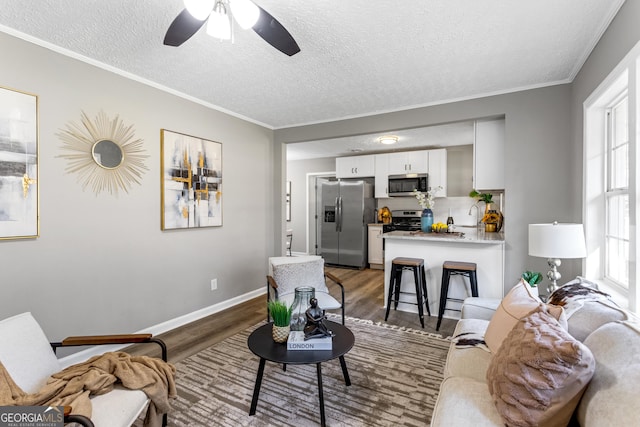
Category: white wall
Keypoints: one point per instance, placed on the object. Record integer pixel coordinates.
(102, 264)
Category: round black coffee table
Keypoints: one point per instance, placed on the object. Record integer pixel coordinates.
(261, 343)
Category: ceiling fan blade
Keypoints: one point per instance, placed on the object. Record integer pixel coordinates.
(182, 28)
(275, 34)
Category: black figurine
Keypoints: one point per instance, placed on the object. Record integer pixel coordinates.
(315, 328)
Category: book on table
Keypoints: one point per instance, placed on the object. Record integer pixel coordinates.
(296, 341)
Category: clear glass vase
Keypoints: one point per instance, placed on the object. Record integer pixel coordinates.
(300, 305)
(426, 221)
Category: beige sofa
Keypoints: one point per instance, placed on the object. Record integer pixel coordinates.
(610, 398)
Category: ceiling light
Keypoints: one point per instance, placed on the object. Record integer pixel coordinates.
(199, 9)
(245, 12)
(219, 25)
(388, 139)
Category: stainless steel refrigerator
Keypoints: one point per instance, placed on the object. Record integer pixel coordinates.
(344, 208)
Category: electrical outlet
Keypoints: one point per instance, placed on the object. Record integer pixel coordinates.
(214, 284)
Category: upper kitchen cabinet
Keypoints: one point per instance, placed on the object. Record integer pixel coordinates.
(382, 176)
(408, 162)
(355, 166)
(438, 171)
(488, 155)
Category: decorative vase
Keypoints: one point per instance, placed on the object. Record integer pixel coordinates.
(280, 333)
(494, 224)
(426, 221)
(300, 305)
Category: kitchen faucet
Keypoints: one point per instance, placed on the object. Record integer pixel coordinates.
(475, 205)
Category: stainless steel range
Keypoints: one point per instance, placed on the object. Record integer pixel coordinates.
(405, 220)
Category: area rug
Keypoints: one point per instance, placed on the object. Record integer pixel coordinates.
(395, 377)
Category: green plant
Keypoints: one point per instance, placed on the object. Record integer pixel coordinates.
(532, 277)
(280, 313)
(485, 197)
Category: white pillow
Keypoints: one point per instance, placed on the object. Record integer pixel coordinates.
(518, 302)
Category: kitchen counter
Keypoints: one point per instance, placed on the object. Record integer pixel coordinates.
(484, 249)
(460, 235)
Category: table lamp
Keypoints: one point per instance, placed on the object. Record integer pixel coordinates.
(555, 241)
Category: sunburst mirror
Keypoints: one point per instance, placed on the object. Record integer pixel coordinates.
(104, 153)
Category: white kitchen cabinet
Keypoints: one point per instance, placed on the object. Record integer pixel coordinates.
(408, 162)
(438, 171)
(355, 166)
(488, 155)
(382, 176)
(376, 260)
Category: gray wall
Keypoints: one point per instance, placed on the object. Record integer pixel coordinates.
(538, 158)
(102, 264)
(621, 36)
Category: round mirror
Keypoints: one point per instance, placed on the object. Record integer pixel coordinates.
(107, 154)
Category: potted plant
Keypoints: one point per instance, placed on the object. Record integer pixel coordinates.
(532, 278)
(492, 217)
(281, 315)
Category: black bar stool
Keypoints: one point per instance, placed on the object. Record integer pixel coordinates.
(398, 265)
(455, 268)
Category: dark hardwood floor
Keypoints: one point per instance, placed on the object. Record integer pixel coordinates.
(364, 299)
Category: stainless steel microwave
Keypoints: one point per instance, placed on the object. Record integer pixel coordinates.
(403, 185)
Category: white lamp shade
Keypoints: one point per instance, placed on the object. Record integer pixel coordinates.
(245, 12)
(199, 9)
(219, 26)
(557, 241)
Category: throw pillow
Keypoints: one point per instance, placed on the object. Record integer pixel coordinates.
(518, 302)
(540, 373)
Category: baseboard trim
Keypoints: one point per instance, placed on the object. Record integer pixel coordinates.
(163, 327)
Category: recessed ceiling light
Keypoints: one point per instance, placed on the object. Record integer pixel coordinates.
(388, 139)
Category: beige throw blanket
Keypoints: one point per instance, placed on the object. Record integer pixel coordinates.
(74, 385)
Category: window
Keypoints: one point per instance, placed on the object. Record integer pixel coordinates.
(611, 183)
(616, 258)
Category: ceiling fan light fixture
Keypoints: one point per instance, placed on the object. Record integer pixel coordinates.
(219, 25)
(245, 12)
(199, 9)
(388, 139)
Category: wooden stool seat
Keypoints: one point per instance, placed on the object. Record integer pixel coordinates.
(459, 265)
(398, 265)
(416, 262)
(455, 268)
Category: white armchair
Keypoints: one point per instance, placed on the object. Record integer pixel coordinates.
(288, 273)
(29, 359)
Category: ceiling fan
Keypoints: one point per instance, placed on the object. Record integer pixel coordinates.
(218, 15)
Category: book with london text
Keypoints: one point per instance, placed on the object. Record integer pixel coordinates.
(296, 342)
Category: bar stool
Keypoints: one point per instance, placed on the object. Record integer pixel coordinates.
(398, 265)
(455, 268)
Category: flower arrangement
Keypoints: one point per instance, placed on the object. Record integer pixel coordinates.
(426, 200)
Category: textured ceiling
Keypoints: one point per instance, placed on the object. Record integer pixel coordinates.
(359, 57)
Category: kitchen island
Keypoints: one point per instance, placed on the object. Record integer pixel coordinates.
(467, 244)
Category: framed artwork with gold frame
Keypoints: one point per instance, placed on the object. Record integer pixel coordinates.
(191, 180)
(19, 198)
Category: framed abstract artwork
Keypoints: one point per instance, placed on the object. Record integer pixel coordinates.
(19, 207)
(191, 192)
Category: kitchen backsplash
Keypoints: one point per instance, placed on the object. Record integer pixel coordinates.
(460, 207)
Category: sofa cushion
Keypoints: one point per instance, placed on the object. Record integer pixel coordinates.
(611, 398)
(539, 373)
(586, 307)
(465, 402)
(518, 302)
(468, 361)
